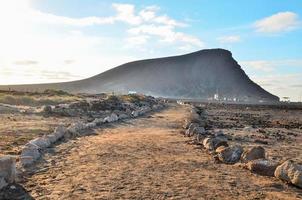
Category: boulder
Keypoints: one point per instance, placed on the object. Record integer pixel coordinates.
(199, 133)
(112, 118)
(59, 132)
(194, 117)
(98, 121)
(7, 170)
(123, 116)
(91, 125)
(290, 172)
(229, 155)
(41, 142)
(212, 144)
(47, 109)
(135, 113)
(76, 128)
(29, 154)
(189, 131)
(186, 124)
(52, 138)
(253, 153)
(262, 167)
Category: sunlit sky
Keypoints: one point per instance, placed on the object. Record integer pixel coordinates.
(56, 40)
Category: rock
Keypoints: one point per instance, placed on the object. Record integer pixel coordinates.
(229, 155)
(199, 133)
(253, 153)
(29, 154)
(189, 131)
(212, 144)
(290, 172)
(59, 132)
(248, 128)
(186, 124)
(91, 125)
(135, 113)
(194, 117)
(83, 105)
(123, 116)
(51, 138)
(262, 167)
(7, 170)
(41, 142)
(76, 128)
(260, 141)
(112, 118)
(145, 109)
(47, 109)
(98, 121)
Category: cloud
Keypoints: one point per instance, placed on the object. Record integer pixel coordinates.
(271, 65)
(166, 34)
(126, 13)
(68, 62)
(26, 62)
(297, 86)
(261, 65)
(280, 22)
(229, 39)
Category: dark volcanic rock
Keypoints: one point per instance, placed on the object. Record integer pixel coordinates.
(262, 167)
(253, 153)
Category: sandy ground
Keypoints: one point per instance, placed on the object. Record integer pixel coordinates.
(145, 158)
(17, 129)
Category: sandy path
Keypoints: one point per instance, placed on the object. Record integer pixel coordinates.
(145, 158)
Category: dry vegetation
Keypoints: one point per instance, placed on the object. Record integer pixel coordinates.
(48, 97)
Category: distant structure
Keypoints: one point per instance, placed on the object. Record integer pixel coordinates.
(286, 99)
(132, 92)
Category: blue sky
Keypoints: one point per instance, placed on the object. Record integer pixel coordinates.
(55, 40)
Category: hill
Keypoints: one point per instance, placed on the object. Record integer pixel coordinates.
(198, 75)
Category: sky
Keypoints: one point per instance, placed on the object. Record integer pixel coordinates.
(61, 40)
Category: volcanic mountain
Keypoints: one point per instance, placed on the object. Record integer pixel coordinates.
(199, 75)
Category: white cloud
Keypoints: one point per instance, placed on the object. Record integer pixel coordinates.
(270, 65)
(166, 34)
(229, 39)
(280, 22)
(126, 13)
(261, 65)
(149, 13)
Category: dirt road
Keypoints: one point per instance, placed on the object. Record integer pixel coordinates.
(145, 158)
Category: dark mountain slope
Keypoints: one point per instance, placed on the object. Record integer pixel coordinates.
(196, 75)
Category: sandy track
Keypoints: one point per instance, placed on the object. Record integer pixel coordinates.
(145, 158)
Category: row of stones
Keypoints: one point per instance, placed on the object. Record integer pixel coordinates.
(253, 159)
(33, 150)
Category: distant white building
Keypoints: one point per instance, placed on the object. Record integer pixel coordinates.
(132, 92)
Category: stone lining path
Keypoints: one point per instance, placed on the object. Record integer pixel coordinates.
(145, 158)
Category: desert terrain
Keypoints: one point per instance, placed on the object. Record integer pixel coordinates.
(150, 158)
